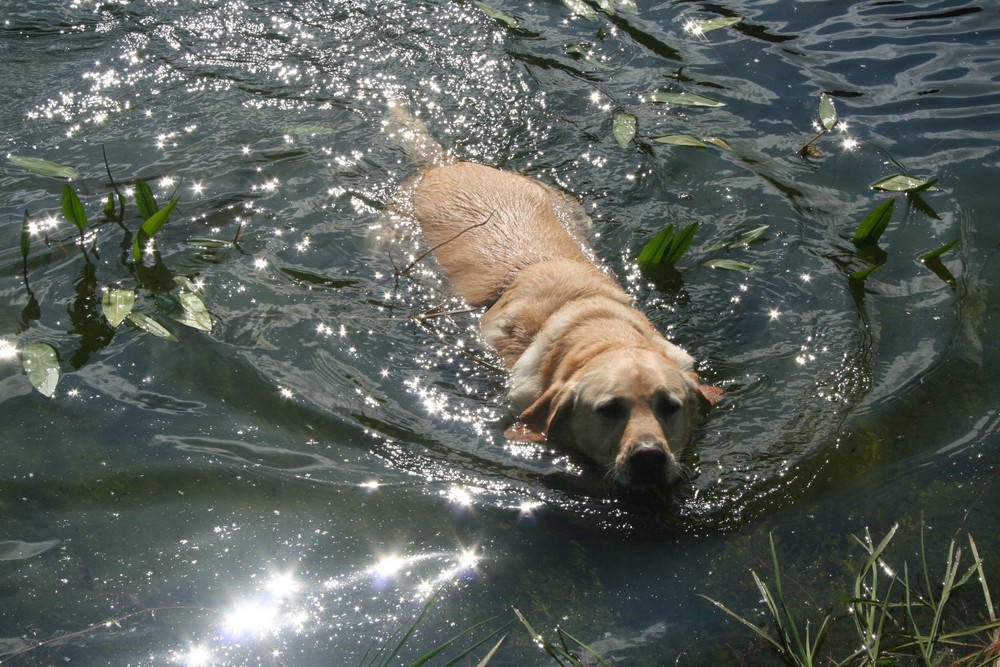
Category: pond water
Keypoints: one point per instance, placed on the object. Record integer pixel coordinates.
(293, 487)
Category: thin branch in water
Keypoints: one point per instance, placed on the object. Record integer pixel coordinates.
(409, 267)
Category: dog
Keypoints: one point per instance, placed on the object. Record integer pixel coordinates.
(588, 371)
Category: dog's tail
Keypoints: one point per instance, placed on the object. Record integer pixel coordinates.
(412, 135)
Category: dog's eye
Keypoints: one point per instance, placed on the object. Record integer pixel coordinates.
(666, 407)
(611, 408)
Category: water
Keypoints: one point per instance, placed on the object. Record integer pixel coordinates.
(293, 486)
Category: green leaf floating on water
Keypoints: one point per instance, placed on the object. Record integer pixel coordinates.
(41, 363)
(44, 167)
(874, 224)
(623, 127)
(194, 313)
(581, 8)
(827, 112)
(728, 264)
(116, 304)
(496, 14)
(681, 140)
(152, 326)
(903, 183)
(701, 26)
(685, 99)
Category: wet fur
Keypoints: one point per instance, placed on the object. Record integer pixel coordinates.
(589, 372)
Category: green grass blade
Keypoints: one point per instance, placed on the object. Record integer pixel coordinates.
(592, 652)
(752, 626)
(489, 656)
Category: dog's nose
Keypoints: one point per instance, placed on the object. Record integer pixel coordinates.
(648, 464)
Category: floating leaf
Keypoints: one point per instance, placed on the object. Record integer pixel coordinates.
(496, 14)
(150, 227)
(582, 54)
(145, 200)
(72, 208)
(681, 140)
(744, 239)
(827, 112)
(874, 224)
(581, 8)
(152, 326)
(25, 237)
(903, 183)
(937, 252)
(116, 304)
(205, 242)
(41, 363)
(701, 26)
(716, 141)
(666, 247)
(728, 264)
(194, 313)
(623, 127)
(685, 99)
(44, 167)
(17, 550)
(628, 6)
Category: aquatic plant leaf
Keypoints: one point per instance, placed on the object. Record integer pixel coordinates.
(827, 112)
(607, 6)
(496, 14)
(864, 273)
(580, 8)
(744, 239)
(205, 242)
(581, 53)
(874, 224)
(150, 227)
(716, 141)
(681, 140)
(627, 6)
(728, 264)
(18, 550)
(72, 208)
(903, 183)
(116, 304)
(685, 99)
(194, 313)
(937, 252)
(109, 207)
(145, 200)
(41, 364)
(150, 325)
(623, 127)
(44, 167)
(25, 237)
(666, 247)
(701, 26)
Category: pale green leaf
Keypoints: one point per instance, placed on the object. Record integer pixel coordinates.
(728, 264)
(496, 14)
(701, 26)
(827, 112)
(44, 167)
(581, 8)
(150, 325)
(681, 140)
(116, 304)
(607, 6)
(903, 183)
(627, 6)
(41, 363)
(194, 313)
(717, 141)
(623, 127)
(685, 99)
(205, 242)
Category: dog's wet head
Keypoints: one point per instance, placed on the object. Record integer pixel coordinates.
(632, 411)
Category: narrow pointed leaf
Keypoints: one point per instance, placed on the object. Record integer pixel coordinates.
(72, 208)
(874, 224)
(728, 264)
(623, 127)
(150, 325)
(194, 313)
(937, 252)
(496, 14)
(41, 363)
(685, 99)
(44, 167)
(150, 227)
(701, 26)
(864, 273)
(827, 112)
(681, 140)
(904, 183)
(145, 200)
(25, 237)
(716, 141)
(682, 241)
(116, 304)
(204, 242)
(654, 251)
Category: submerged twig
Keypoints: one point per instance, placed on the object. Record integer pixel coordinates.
(406, 270)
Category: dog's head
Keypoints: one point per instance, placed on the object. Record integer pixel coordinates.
(632, 411)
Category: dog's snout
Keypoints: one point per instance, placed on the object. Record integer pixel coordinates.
(648, 464)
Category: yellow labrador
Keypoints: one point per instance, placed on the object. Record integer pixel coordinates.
(588, 371)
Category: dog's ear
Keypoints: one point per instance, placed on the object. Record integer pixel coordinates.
(710, 395)
(547, 416)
